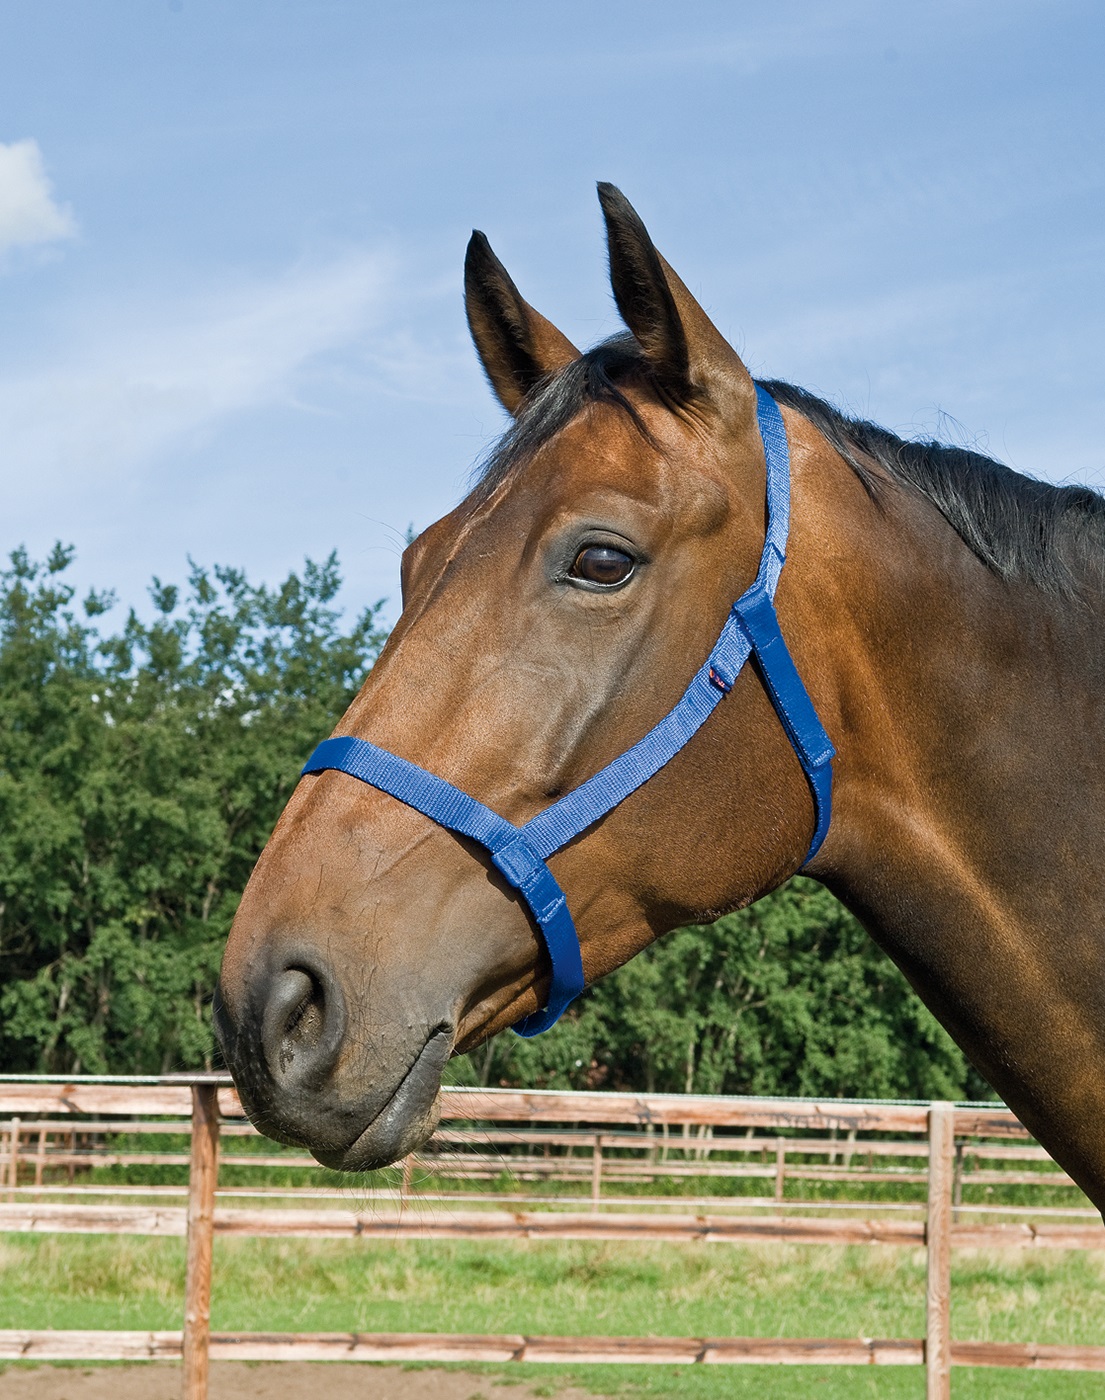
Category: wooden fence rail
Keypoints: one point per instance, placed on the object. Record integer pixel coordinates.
(39, 1146)
(462, 1347)
(170, 1096)
(376, 1224)
(602, 1122)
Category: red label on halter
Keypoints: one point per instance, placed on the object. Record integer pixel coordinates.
(723, 685)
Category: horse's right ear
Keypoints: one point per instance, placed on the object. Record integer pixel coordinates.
(688, 355)
(516, 345)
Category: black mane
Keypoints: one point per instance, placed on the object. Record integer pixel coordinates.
(1024, 530)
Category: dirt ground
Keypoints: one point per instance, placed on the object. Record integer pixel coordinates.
(281, 1380)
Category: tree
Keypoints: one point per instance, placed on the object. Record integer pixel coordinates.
(789, 996)
(140, 775)
(142, 770)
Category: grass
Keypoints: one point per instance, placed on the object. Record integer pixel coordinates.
(559, 1287)
(551, 1286)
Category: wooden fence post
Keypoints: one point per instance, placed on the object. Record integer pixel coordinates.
(40, 1156)
(938, 1238)
(596, 1172)
(957, 1189)
(203, 1174)
(780, 1168)
(13, 1159)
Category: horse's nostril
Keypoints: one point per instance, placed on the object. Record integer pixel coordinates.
(305, 1022)
(302, 1024)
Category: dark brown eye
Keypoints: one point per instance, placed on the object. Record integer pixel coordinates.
(601, 564)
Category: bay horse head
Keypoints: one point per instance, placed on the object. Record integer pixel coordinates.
(553, 620)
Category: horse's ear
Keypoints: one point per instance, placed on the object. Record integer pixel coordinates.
(516, 345)
(687, 353)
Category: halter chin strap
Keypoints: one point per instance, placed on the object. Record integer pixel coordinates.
(520, 853)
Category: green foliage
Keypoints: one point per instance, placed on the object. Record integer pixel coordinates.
(140, 774)
(789, 996)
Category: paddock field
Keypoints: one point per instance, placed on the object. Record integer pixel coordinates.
(638, 1285)
(552, 1287)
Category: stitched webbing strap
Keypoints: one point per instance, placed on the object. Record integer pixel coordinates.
(520, 853)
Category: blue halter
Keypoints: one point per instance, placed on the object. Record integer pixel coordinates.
(520, 853)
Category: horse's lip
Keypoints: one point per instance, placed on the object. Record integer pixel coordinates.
(406, 1120)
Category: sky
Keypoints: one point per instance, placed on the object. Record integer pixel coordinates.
(232, 235)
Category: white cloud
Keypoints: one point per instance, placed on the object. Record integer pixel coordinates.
(133, 383)
(29, 214)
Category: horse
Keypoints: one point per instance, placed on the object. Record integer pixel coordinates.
(944, 614)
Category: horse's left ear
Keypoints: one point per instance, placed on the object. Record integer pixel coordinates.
(517, 346)
(689, 356)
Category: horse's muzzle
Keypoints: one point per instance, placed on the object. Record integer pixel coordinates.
(305, 1080)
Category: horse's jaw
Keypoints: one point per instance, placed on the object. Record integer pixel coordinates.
(405, 1122)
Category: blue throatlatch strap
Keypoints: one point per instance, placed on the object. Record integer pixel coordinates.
(520, 853)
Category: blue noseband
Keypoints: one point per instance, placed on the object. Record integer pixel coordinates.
(520, 853)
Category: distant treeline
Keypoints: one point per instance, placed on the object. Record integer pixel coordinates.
(142, 766)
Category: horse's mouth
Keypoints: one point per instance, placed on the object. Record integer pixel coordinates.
(405, 1121)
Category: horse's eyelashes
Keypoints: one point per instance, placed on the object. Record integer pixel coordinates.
(603, 565)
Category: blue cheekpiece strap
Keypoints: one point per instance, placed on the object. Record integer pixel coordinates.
(520, 853)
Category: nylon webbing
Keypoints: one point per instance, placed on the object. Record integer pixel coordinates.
(520, 853)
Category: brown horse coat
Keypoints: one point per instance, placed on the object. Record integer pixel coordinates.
(945, 615)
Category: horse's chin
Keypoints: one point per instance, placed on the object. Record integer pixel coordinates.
(405, 1122)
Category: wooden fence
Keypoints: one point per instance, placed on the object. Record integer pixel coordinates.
(37, 1146)
(616, 1121)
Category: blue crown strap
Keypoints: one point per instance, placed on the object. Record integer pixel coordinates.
(777, 463)
(760, 621)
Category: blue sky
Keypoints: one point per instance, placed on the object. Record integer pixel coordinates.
(231, 239)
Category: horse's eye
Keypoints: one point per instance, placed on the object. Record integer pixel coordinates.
(599, 563)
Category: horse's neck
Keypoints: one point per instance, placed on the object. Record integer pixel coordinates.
(969, 823)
